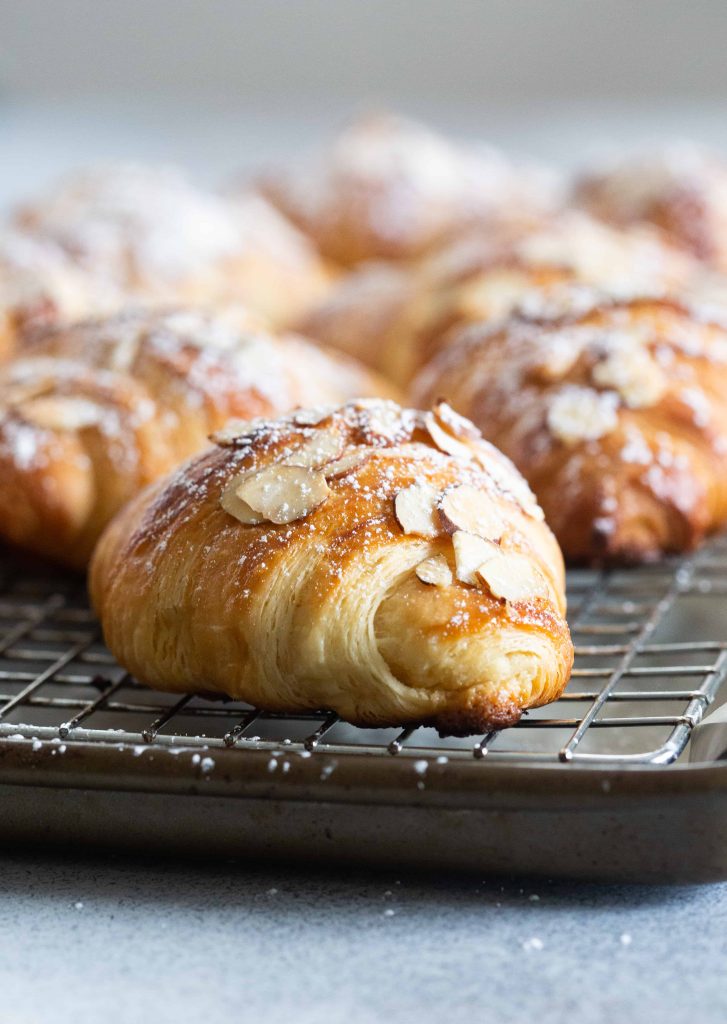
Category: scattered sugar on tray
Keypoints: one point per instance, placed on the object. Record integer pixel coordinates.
(206, 765)
(533, 945)
(327, 770)
(420, 767)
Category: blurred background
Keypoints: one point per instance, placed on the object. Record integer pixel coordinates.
(220, 84)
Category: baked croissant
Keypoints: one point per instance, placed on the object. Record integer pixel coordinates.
(681, 188)
(40, 285)
(383, 563)
(389, 188)
(159, 240)
(100, 409)
(396, 318)
(614, 410)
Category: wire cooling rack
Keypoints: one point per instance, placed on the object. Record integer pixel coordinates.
(651, 652)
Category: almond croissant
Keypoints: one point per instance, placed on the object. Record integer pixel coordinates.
(158, 240)
(389, 188)
(614, 410)
(384, 563)
(96, 411)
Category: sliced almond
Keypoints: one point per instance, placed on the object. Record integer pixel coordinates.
(312, 417)
(470, 552)
(458, 425)
(445, 441)
(468, 508)
(349, 461)
(61, 412)
(236, 431)
(561, 350)
(282, 494)
(435, 571)
(322, 447)
(507, 477)
(508, 480)
(234, 505)
(634, 374)
(416, 510)
(577, 414)
(512, 576)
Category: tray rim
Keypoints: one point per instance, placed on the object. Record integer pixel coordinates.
(345, 777)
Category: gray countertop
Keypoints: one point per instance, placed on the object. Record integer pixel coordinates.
(124, 941)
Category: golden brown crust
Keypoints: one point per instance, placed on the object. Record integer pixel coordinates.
(319, 561)
(157, 240)
(613, 410)
(388, 188)
(94, 412)
(396, 319)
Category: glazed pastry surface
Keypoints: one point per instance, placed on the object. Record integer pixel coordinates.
(614, 411)
(386, 564)
(95, 411)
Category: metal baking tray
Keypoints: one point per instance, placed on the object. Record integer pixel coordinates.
(597, 785)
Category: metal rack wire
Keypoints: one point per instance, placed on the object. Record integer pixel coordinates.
(651, 653)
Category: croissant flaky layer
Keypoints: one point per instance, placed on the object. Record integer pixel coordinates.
(614, 410)
(96, 411)
(383, 563)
